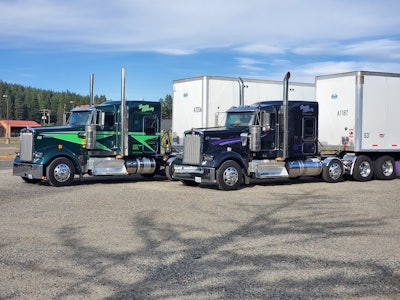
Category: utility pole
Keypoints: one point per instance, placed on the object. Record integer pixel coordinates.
(8, 122)
(45, 116)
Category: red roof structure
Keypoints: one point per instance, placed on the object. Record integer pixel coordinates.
(12, 127)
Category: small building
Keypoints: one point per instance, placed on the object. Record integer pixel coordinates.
(11, 128)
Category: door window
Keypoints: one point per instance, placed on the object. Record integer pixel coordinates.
(150, 125)
(309, 129)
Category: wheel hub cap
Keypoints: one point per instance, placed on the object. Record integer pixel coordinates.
(62, 173)
(231, 176)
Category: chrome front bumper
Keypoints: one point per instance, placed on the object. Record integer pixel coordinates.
(194, 173)
(27, 170)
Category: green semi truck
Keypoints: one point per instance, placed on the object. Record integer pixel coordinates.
(112, 138)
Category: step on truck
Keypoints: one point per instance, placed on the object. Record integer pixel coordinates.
(279, 139)
(112, 138)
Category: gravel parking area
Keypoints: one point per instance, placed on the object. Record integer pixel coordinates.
(132, 238)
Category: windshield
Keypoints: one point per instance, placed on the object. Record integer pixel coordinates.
(80, 118)
(239, 119)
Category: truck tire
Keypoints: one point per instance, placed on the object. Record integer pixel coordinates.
(61, 172)
(363, 169)
(384, 168)
(169, 170)
(229, 176)
(333, 171)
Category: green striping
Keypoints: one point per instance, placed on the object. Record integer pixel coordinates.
(72, 137)
(68, 136)
(101, 146)
(100, 135)
(131, 133)
(143, 140)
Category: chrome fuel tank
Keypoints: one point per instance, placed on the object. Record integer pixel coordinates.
(309, 167)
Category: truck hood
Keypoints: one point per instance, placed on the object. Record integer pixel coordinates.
(53, 134)
(43, 129)
(220, 136)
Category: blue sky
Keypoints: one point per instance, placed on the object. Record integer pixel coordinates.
(56, 44)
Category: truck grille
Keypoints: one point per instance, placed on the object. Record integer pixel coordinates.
(26, 146)
(192, 149)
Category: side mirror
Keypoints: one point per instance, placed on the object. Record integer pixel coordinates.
(266, 119)
(100, 118)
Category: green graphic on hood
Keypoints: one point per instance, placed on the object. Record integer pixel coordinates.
(67, 136)
(72, 137)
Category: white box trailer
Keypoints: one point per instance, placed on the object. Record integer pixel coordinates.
(358, 117)
(202, 101)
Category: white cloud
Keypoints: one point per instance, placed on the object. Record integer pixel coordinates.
(382, 48)
(265, 38)
(253, 26)
(261, 49)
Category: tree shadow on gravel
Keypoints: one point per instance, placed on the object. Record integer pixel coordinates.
(229, 265)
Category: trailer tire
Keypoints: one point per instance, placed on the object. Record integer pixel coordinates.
(61, 172)
(363, 169)
(333, 171)
(384, 168)
(229, 176)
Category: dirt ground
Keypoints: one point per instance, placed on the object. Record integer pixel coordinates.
(7, 151)
(135, 238)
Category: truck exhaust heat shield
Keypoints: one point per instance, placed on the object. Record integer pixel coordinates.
(90, 136)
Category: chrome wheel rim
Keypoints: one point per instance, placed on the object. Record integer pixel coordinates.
(335, 171)
(230, 176)
(364, 169)
(387, 168)
(62, 173)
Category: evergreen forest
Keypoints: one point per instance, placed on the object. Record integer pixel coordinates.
(28, 103)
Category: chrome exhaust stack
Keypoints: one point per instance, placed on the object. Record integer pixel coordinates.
(91, 100)
(124, 122)
(241, 92)
(285, 111)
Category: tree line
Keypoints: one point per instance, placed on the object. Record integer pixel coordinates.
(28, 103)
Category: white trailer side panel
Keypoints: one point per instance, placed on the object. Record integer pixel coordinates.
(336, 100)
(380, 113)
(187, 106)
(222, 95)
(359, 111)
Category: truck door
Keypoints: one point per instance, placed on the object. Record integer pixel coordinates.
(144, 133)
(268, 129)
(110, 131)
(151, 128)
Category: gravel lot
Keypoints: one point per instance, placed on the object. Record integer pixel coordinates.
(132, 238)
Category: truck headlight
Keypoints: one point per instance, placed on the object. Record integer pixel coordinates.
(208, 157)
(37, 155)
